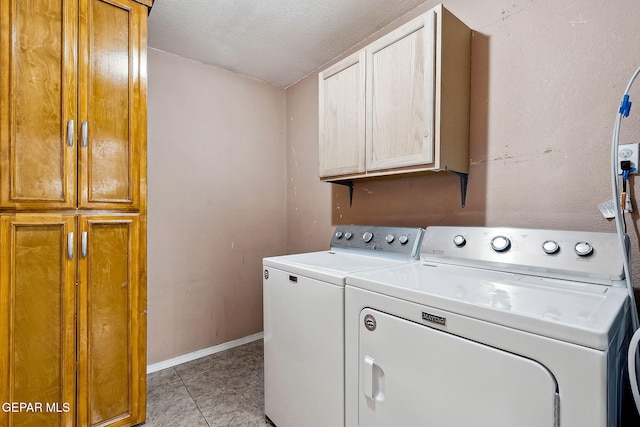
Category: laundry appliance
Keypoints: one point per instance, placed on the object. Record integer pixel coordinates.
(304, 321)
(494, 327)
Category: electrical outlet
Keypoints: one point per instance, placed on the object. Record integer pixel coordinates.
(628, 152)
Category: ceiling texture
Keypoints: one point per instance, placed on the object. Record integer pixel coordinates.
(276, 41)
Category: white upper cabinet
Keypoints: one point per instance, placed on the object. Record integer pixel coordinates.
(342, 117)
(399, 105)
(400, 80)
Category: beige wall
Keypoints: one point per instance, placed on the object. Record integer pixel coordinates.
(233, 163)
(547, 78)
(309, 224)
(217, 170)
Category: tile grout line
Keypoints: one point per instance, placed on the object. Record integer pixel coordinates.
(192, 398)
(253, 369)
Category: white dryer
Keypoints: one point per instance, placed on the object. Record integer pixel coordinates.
(304, 321)
(495, 327)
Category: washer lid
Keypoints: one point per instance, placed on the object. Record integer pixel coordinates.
(581, 313)
(330, 266)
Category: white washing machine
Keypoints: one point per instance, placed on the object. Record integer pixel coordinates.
(494, 327)
(304, 321)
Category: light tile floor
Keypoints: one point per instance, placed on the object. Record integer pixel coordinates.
(224, 389)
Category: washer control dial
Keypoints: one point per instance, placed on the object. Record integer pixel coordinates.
(403, 239)
(338, 234)
(459, 240)
(583, 249)
(550, 247)
(367, 236)
(500, 244)
(390, 238)
(348, 235)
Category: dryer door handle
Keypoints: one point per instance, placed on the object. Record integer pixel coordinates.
(373, 380)
(368, 380)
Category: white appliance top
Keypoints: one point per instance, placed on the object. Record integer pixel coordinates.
(354, 248)
(574, 298)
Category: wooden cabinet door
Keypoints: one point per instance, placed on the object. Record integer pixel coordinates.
(112, 119)
(37, 319)
(38, 103)
(400, 92)
(111, 364)
(342, 117)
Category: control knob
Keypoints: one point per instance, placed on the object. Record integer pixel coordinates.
(500, 244)
(550, 247)
(583, 249)
(338, 234)
(367, 236)
(403, 239)
(348, 235)
(459, 240)
(390, 238)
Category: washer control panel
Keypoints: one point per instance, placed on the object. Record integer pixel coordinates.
(400, 241)
(553, 253)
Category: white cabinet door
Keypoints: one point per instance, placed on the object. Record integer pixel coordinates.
(414, 375)
(400, 96)
(342, 117)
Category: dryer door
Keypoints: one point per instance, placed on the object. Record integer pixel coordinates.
(414, 375)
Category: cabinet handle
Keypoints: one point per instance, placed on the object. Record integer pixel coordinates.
(84, 244)
(70, 133)
(85, 133)
(70, 245)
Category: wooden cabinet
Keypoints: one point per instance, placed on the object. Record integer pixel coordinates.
(111, 121)
(111, 362)
(38, 65)
(400, 93)
(342, 117)
(54, 267)
(37, 319)
(71, 85)
(413, 87)
(73, 211)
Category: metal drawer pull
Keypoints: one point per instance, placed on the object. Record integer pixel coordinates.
(70, 133)
(85, 133)
(84, 244)
(70, 245)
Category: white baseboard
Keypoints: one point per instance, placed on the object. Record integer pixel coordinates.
(202, 353)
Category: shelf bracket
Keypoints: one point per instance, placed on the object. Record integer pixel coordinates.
(464, 179)
(349, 184)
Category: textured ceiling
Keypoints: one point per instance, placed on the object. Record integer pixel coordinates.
(276, 41)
